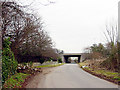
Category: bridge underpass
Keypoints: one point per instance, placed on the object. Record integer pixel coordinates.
(66, 57)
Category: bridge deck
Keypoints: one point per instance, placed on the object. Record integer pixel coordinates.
(72, 54)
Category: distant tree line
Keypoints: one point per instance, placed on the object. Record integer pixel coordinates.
(97, 51)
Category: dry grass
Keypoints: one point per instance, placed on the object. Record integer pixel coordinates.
(94, 67)
(94, 64)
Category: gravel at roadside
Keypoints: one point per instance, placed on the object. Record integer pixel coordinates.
(33, 80)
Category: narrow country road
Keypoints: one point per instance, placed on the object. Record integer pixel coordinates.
(71, 76)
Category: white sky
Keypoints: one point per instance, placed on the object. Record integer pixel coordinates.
(76, 24)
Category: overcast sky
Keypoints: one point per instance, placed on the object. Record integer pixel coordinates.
(76, 24)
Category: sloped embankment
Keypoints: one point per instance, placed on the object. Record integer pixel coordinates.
(100, 72)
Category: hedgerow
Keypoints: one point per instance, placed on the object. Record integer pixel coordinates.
(9, 64)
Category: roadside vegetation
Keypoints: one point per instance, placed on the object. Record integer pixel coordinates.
(9, 64)
(103, 60)
(24, 41)
(15, 81)
(108, 52)
(53, 65)
(101, 72)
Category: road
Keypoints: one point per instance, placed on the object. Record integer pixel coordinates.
(71, 76)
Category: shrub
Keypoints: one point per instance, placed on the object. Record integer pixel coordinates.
(9, 64)
(59, 60)
(30, 63)
(50, 59)
(42, 60)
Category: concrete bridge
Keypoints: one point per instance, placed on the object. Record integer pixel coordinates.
(66, 56)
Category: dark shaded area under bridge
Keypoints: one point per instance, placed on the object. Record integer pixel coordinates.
(66, 57)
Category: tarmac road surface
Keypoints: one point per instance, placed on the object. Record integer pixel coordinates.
(71, 76)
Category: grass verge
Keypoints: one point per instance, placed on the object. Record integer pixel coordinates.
(54, 65)
(15, 81)
(104, 74)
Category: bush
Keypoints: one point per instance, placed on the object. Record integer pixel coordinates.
(30, 63)
(50, 59)
(59, 60)
(42, 60)
(9, 64)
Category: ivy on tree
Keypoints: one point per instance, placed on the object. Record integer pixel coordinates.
(9, 64)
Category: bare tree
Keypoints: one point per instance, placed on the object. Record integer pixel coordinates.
(26, 31)
(111, 35)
